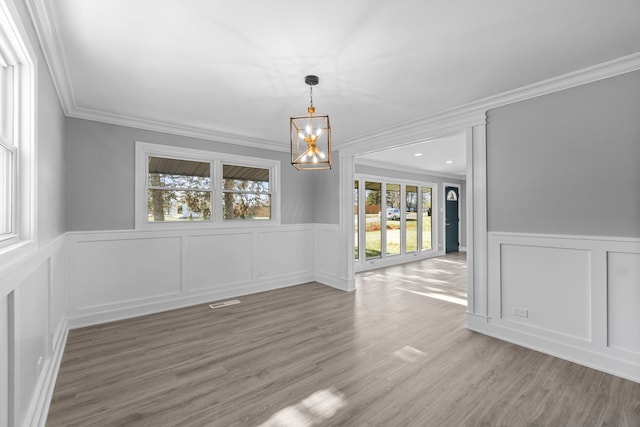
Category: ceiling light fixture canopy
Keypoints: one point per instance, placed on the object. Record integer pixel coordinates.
(310, 136)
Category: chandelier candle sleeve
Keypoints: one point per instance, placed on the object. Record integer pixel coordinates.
(310, 136)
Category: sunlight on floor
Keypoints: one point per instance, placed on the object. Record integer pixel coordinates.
(313, 410)
(433, 270)
(409, 354)
(442, 297)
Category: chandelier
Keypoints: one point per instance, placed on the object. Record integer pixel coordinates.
(310, 136)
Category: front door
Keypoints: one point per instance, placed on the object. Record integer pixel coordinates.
(452, 220)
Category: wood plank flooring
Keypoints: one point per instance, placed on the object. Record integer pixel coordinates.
(394, 353)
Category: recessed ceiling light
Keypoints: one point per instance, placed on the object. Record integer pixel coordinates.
(449, 162)
(418, 154)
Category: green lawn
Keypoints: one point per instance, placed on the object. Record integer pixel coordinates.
(373, 236)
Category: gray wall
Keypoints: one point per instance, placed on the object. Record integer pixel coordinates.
(49, 145)
(326, 190)
(100, 161)
(51, 162)
(568, 162)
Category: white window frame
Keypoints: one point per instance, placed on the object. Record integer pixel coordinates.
(363, 263)
(20, 134)
(144, 150)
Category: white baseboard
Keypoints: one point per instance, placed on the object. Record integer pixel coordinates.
(573, 297)
(334, 282)
(477, 323)
(395, 260)
(142, 308)
(592, 359)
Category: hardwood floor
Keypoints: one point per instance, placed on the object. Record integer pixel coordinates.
(394, 353)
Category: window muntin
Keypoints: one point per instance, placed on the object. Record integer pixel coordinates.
(178, 190)
(246, 193)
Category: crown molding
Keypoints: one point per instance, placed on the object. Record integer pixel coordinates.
(411, 131)
(46, 26)
(177, 129)
(474, 113)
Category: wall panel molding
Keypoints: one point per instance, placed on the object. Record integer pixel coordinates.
(623, 289)
(33, 327)
(327, 257)
(574, 297)
(46, 25)
(107, 282)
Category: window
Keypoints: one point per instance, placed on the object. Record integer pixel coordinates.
(426, 219)
(373, 234)
(391, 219)
(246, 193)
(178, 190)
(411, 225)
(17, 83)
(182, 186)
(356, 218)
(7, 151)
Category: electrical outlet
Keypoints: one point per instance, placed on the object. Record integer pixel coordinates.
(520, 312)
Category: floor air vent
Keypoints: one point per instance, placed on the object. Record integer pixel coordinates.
(224, 304)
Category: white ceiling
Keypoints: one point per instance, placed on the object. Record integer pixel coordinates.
(234, 71)
(441, 157)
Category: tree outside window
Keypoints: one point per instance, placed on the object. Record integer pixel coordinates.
(246, 193)
(178, 190)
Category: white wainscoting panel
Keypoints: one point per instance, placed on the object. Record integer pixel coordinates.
(126, 269)
(33, 331)
(327, 258)
(219, 260)
(120, 274)
(282, 253)
(4, 360)
(58, 300)
(552, 285)
(624, 301)
(575, 297)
